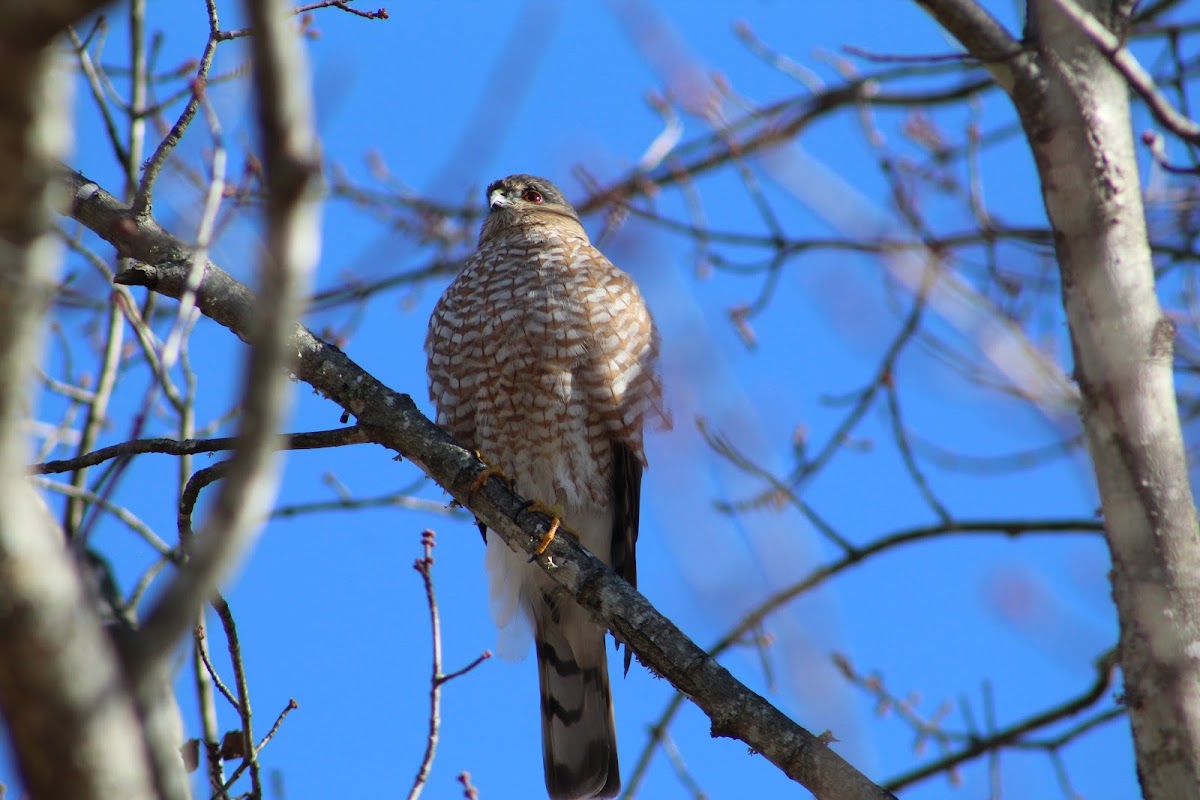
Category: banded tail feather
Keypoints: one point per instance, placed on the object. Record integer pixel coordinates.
(579, 737)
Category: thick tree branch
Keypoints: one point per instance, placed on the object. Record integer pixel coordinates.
(983, 36)
(393, 420)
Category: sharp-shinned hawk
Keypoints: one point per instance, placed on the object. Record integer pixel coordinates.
(542, 356)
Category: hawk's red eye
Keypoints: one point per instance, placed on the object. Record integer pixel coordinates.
(532, 196)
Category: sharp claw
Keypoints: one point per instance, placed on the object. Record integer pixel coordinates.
(556, 524)
(482, 478)
(548, 536)
(487, 472)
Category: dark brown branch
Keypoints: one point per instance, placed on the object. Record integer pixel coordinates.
(187, 447)
(980, 32)
(392, 420)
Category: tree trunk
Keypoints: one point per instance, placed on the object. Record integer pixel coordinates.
(1074, 107)
(1082, 139)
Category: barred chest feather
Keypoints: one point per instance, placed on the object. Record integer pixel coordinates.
(529, 366)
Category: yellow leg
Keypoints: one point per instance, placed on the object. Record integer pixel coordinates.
(488, 472)
(555, 515)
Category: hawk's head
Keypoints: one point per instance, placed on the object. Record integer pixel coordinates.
(526, 200)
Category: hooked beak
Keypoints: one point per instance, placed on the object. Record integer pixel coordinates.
(497, 199)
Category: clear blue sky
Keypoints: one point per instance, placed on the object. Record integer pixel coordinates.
(329, 608)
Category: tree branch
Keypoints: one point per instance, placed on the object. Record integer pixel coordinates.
(186, 447)
(392, 420)
(982, 35)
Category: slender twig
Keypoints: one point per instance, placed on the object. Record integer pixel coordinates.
(204, 235)
(724, 447)
(70, 390)
(342, 5)
(143, 198)
(94, 83)
(245, 714)
(1089, 697)
(656, 734)
(120, 512)
(97, 411)
(402, 499)
(201, 640)
(900, 436)
(424, 566)
(237, 773)
(693, 787)
(469, 790)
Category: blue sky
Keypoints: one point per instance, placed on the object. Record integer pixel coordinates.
(329, 609)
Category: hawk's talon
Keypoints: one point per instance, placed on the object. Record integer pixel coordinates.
(555, 516)
(488, 472)
(484, 475)
(548, 536)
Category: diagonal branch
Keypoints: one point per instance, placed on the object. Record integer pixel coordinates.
(982, 35)
(393, 420)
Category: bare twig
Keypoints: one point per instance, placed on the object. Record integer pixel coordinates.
(981, 745)
(201, 641)
(237, 773)
(176, 447)
(469, 790)
(291, 175)
(341, 5)
(245, 714)
(424, 566)
(142, 200)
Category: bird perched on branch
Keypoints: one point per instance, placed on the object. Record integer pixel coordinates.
(542, 356)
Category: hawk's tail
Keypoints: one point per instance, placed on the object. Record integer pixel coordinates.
(579, 738)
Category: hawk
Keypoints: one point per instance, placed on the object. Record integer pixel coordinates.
(542, 357)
